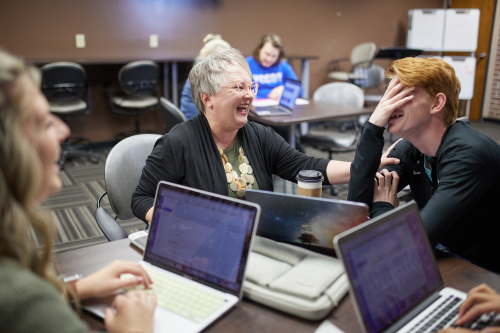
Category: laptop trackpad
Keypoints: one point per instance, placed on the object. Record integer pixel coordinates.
(309, 278)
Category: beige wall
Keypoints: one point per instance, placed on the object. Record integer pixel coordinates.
(118, 30)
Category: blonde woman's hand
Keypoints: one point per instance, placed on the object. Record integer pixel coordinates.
(133, 312)
(107, 280)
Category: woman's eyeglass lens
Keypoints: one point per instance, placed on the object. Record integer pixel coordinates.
(243, 87)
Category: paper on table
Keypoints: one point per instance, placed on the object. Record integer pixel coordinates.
(301, 101)
(328, 327)
(264, 102)
(271, 102)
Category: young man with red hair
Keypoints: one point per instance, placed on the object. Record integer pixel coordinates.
(453, 170)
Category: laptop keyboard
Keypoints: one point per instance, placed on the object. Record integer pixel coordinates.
(446, 314)
(442, 316)
(182, 298)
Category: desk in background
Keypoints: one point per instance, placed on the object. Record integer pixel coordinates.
(172, 93)
(249, 316)
(308, 113)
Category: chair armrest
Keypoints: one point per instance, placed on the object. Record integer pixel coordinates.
(108, 225)
(334, 65)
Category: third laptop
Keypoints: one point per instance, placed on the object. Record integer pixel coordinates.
(395, 282)
(290, 94)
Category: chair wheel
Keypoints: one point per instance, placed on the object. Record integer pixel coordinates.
(334, 190)
(94, 159)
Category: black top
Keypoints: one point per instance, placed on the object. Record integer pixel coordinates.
(188, 155)
(459, 207)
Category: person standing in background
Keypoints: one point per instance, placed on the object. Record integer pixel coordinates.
(213, 44)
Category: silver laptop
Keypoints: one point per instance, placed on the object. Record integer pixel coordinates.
(395, 282)
(304, 221)
(290, 94)
(196, 254)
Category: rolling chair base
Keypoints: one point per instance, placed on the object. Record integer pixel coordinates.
(76, 148)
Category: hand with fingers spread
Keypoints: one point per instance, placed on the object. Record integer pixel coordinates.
(107, 280)
(395, 96)
(133, 313)
(386, 187)
(385, 156)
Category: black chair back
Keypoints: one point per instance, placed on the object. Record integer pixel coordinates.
(63, 81)
(171, 114)
(139, 77)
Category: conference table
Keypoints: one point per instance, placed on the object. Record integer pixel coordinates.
(308, 113)
(249, 316)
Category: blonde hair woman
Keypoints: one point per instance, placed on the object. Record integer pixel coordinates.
(213, 44)
(30, 293)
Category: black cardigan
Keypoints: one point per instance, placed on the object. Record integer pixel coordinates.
(188, 155)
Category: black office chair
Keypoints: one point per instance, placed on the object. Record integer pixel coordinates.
(171, 114)
(140, 91)
(64, 84)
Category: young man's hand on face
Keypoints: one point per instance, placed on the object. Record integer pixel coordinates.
(395, 96)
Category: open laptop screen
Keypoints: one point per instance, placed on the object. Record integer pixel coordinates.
(391, 268)
(305, 221)
(201, 235)
(291, 92)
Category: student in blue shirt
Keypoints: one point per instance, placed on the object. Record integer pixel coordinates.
(268, 68)
(213, 44)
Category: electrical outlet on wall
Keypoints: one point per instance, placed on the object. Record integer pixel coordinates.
(80, 41)
(153, 41)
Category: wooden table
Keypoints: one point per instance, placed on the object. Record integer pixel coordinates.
(249, 316)
(312, 112)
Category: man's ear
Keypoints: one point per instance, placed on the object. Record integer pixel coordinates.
(207, 100)
(439, 103)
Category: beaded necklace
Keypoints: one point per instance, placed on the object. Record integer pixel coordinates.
(246, 179)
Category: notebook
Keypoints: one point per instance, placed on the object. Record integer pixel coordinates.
(395, 282)
(290, 94)
(304, 221)
(196, 254)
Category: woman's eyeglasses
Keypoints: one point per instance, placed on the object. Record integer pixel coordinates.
(243, 87)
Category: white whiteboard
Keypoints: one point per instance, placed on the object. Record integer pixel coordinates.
(443, 29)
(461, 30)
(465, 69)
(425, 29)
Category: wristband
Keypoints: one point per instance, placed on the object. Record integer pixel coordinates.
(72, 278)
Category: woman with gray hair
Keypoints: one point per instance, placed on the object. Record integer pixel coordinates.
(219, 150)
(213, 44)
